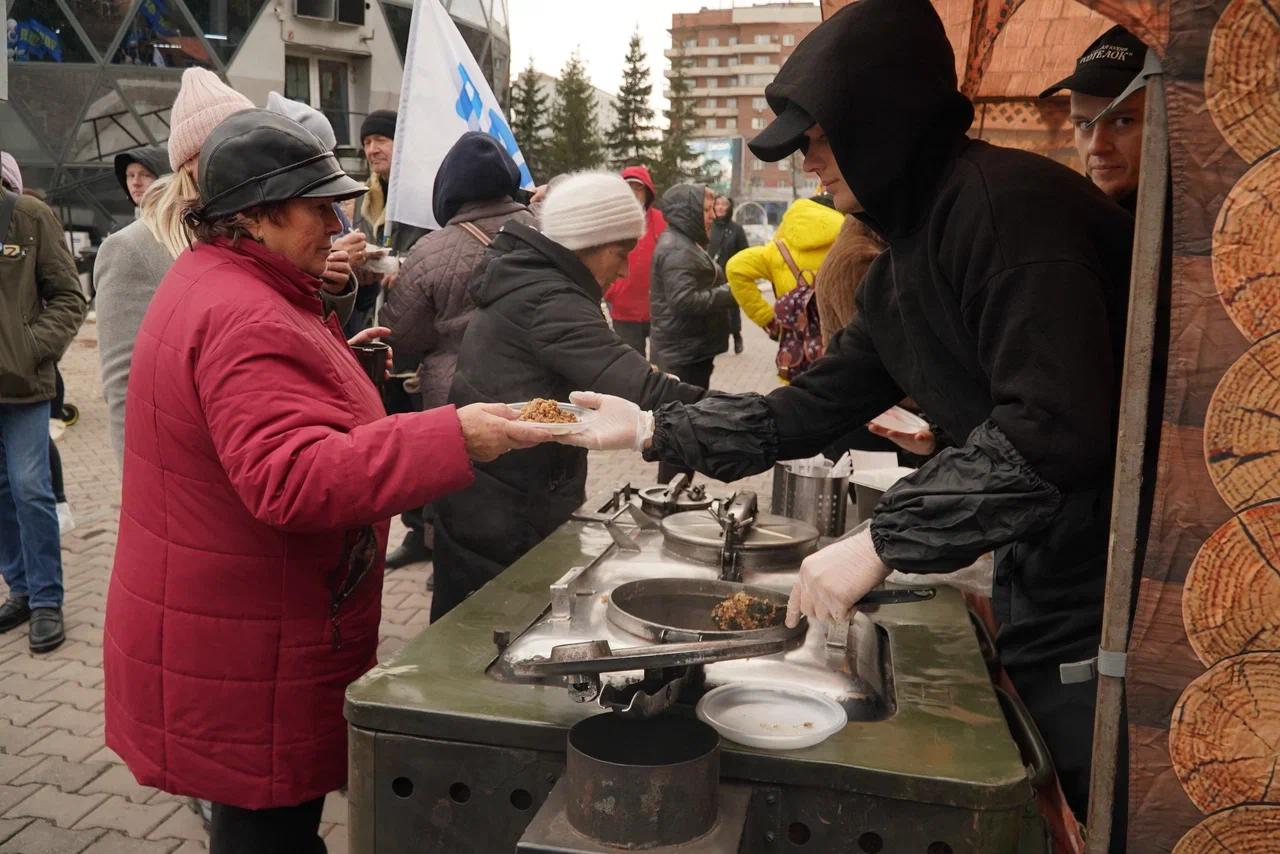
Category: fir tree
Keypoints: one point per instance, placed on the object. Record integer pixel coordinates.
(529, 122)
(575, 133)
(676, 160)
(630, 140)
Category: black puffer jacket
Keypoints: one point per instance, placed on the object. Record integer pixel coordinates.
(537, 332)
(999, 307)
(687, 300)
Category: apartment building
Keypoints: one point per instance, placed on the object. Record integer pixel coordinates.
(730, 55)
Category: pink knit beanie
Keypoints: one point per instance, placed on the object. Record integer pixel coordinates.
(203, 101)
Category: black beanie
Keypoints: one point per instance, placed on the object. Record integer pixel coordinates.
(381, 122)
(476, 169)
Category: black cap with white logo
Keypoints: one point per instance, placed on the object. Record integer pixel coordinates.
(1107, 67)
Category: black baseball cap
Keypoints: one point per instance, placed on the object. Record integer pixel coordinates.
(1107, 67)
(784, 135)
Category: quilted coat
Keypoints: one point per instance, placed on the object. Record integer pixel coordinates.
(255, 452)
(429, 308)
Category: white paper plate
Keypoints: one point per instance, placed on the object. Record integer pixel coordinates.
(772, 717)
(584, 418)
(901, 420)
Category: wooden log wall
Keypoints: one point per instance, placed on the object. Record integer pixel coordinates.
(1224, 729)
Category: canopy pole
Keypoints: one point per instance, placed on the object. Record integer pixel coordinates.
(1131, 450)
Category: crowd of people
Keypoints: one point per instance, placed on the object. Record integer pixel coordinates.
(983, 287)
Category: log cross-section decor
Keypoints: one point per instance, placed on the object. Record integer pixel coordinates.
(1253, 829)
(1246, 249)
(1224, 737)
(1231, 600)
(1242, 428)
(1242, 77)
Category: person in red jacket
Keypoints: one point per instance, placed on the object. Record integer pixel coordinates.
(260, 470)
(628, 297)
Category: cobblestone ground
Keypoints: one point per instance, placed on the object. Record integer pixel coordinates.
(61, 790)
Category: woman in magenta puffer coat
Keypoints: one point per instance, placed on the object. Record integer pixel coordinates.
(259, 472)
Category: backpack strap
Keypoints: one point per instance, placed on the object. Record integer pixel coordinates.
(791, 263)
(8, 201)
(476, 232)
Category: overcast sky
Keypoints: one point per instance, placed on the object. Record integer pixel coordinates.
(550, 30)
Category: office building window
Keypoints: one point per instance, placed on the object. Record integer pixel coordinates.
(733, 41)
(690, 43)
(763, 39)
(713, 62)
(713, 42)
(761, 59)
(757, 123)
(789, 39)
(759, 104)
(757, 165)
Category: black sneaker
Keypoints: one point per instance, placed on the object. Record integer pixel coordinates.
(412, 550)
(737, 345)
(13, 613)
(45, 632)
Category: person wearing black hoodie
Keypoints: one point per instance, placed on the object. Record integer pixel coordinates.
(538, 331)
(727, 239)
(999, 306)
(137, 169)
(474, 195)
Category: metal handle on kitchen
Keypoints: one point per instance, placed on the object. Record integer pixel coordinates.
(1025, 734)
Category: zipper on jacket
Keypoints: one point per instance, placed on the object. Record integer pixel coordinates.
(358, 554)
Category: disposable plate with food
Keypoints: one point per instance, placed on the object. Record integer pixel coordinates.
(581, 417)
(771, 716)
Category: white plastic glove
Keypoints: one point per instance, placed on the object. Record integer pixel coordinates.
(833, 579)
(619, 424)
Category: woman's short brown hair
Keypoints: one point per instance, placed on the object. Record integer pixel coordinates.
(234, 226)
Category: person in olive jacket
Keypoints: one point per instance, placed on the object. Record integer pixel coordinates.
(688, 301)
(538, 331)
(41, 307)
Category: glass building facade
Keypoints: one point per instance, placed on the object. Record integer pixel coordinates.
(89, 79)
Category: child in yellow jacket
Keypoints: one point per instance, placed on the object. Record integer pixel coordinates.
(808, 229)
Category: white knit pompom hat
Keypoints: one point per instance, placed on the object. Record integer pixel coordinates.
(591, 209)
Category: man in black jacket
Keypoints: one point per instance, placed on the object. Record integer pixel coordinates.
(727, 239)
(538, 331)
(999, 307)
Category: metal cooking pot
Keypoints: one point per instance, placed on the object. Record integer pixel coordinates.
(678, 610)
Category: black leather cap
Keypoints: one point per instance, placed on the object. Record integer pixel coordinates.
(254, 157)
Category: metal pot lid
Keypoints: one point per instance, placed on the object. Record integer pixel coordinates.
(769, 533)
(656, 499)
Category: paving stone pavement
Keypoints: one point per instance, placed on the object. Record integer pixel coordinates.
(61, 790)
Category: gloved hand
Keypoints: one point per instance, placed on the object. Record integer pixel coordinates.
(833, 579)
(619, 424)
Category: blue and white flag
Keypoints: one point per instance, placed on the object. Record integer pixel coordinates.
(443, 95)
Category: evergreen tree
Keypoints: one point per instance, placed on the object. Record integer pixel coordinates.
(529, 122)
(630, 140)
(676, 160)
(575, 133)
